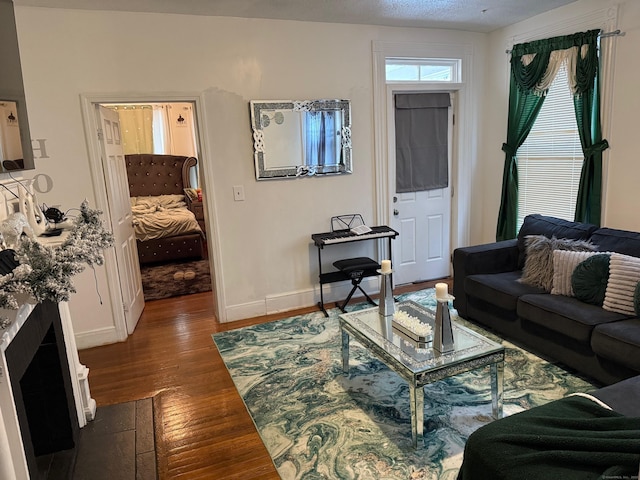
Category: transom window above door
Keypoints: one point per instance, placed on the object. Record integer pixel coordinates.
(423, 70)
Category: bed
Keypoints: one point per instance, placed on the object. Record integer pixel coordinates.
(166, 229)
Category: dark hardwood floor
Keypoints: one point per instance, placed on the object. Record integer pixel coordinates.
(205, 430)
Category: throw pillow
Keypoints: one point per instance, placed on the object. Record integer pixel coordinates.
(538, 266)
(590, 278)
(636, 300)
(624, 275)
(564, 263)
(537, 224)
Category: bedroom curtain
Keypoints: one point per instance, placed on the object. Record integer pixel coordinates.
(160, 128)
(533, 67)
(422, 136)
(136, 123)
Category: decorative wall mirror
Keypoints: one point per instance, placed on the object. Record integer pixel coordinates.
(15, 140)
(294, 138)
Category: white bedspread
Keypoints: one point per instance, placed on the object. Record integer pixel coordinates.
(162, 216)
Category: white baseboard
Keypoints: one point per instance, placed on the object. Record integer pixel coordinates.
(284, 302)
(244, 310)
(95, 338)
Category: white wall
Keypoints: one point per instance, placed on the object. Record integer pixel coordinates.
(622, 168)
(268, 260)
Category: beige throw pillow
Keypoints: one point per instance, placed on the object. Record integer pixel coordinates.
(564, 263)
(624, 275)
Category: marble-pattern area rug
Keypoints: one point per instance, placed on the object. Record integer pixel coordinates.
(320, 424)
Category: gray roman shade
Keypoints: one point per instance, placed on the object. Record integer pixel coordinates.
(421, 141)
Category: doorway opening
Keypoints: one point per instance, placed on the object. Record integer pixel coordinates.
(111, 189)
(159, 132)
(435, 68)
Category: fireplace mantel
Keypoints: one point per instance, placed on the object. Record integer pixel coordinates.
(13, 463)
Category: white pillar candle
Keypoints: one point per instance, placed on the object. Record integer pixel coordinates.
(442, 291)
(386, 266)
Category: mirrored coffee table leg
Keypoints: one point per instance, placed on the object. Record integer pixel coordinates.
(345, 352)
(416, 398)
(497, 385)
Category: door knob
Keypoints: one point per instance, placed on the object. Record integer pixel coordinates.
(396, 212)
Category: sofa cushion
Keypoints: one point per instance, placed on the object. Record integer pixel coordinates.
(619, 341)
(590, 278)
(564, 263)
(566, 315)
(622, 396)
(499, 289)
(620, 241)
(550, 226)
(624, 275)
(538, 266)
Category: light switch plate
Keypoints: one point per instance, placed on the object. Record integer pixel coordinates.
(238, 193)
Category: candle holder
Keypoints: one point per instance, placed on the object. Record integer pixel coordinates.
(386, 303)
(443, 332)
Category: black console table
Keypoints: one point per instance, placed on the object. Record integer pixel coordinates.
(338, 237)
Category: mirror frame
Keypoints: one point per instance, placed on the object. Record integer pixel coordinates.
(299, 169)
(11, 85)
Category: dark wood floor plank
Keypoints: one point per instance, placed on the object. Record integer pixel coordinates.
(204, 428)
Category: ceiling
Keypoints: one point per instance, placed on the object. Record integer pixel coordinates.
(470, 15)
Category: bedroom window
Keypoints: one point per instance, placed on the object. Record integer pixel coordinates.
(422, 70)
(550, 160)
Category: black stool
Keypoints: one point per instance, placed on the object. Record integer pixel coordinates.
(356, 269)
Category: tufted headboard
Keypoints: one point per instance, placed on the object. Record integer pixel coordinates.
(151, 174)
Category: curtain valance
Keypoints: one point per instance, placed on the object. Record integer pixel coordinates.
(555, 43)
(534, 64)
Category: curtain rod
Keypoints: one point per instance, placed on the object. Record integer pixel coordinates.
(615, 33)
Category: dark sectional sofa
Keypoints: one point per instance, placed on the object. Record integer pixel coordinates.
(601, 344)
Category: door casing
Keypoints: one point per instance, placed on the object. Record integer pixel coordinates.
(464, 156)
(88, 103)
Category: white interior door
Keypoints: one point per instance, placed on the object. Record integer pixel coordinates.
(423, 219)
(121, 217)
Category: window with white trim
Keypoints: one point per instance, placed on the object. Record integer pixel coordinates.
(550, 160)
(422, 70)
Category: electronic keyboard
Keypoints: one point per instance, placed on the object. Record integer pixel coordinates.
(344, 236)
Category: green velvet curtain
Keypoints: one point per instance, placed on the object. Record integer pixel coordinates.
(587, 107)
(524, 105)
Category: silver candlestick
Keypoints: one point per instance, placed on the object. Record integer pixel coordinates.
(386, 305)
(443, 333)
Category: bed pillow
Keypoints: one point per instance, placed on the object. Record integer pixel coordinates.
(624, 275)
(590, 278)
(564, 263)
(156, 202)
(170, 200)
(538, 266)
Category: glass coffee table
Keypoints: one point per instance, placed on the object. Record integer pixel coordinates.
(418, 363)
